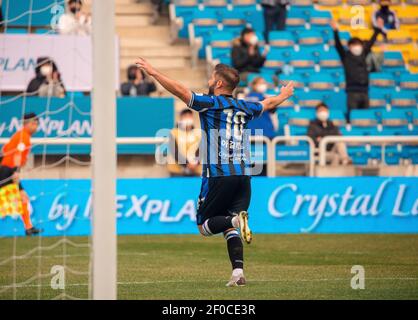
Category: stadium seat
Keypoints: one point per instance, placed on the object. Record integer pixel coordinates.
(359, 2)
(277, 58)
(303, 61)
(394, 118)
(403, 99)
(329, 60)
(309, 99)
(364, 118)
(253, 13)
(301, 3)
(344, 37)
(408, 81)
(337, 117)
(296, 20)
(202, 26)
(393, 61)
(182, 14)
(281, 39)
(319, 19)
(377, 99)
(233, 21)
(299, 81)
(309, 39)
(268, 77)
(321, 81)
(382, 79)
(298, 122)
(408, 17)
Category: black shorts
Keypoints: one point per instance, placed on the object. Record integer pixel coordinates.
(223, 196)
(6, 174)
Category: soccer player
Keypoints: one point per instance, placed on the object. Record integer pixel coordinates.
(226, 190)
(15, 154)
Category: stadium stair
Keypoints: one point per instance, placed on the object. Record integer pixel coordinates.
(141, 36)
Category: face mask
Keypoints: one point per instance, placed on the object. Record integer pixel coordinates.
(322, 115)
(357, 50)
(46, 70)
(253, 40)
(261, 88)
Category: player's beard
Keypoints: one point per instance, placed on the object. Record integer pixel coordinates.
(211, 90)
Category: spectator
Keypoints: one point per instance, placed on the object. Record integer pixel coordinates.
(322, 127)
(388, 16)
(138, 84)
(355, 68)
(47, 81)
(246, 56)
(75, 22)
(274, 12)
(184, 145)
(268, 120)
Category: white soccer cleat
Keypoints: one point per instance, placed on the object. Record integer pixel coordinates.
(236, 281)
(246, 233)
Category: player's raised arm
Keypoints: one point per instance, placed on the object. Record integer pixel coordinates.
(173, 86)
(273, 102)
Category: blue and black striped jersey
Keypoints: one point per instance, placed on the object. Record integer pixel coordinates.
(225, 149)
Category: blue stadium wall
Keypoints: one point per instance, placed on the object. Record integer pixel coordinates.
(279, 205)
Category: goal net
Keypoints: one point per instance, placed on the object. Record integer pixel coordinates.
(50, 75)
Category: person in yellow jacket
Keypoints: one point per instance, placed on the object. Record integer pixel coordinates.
(184, 145)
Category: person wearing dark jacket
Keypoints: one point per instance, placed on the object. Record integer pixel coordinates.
(47, 81)
(138, 83)
(274, 12)
(355, 68)
(389, 17)
(246, 56)
(321, 127)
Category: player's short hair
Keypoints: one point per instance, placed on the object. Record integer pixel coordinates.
(246, 31)
(29, 117)
(185, 112)
(321, 105)
(355, 40)
(75, 1)
(228, 74)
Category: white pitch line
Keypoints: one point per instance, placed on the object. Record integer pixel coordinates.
(193, 281)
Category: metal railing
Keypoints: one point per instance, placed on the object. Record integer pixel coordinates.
(271, 169)
(271, 145)
(381, 140)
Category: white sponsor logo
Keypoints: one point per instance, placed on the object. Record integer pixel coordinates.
(324, 206)
(127, 206)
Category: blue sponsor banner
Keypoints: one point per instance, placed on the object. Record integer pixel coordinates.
(71, 118)
(279, 205)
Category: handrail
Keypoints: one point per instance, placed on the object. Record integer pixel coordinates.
(122, 141)
(366, 139)
(272, 161)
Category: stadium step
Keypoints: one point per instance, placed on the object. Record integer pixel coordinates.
(133, 8)
(132, 20)
(159, 52)
(158, 62)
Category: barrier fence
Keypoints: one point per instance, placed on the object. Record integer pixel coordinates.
(270, 150)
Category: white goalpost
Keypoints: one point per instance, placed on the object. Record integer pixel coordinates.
(104, 267)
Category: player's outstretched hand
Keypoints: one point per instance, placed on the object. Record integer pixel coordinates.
(287, 90)
(146, 66)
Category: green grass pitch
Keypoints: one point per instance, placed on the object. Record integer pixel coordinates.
(193, 267)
